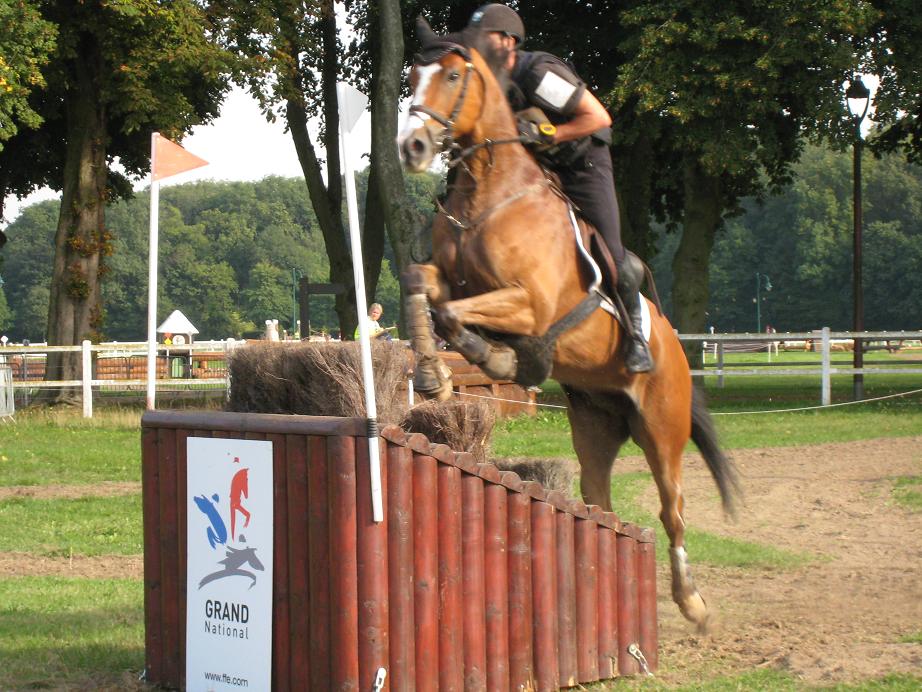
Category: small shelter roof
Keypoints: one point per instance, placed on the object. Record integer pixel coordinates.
(177, 323)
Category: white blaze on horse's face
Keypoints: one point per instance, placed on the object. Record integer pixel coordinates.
(415, 142)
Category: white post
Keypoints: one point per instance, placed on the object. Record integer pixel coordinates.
(720, 364)
(87, 377)
(352, 104)
(152, 280)
(826, 381)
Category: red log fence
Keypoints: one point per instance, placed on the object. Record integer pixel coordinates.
(475, 580)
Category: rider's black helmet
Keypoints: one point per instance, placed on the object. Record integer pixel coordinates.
(501, 18)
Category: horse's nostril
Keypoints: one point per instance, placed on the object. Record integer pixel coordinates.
(417, 145)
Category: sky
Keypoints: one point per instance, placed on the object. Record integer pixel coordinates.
(238, 145)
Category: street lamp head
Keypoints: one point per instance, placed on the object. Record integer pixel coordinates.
(858, 96)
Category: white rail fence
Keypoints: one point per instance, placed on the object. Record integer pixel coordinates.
(121, 367)
(824, 341)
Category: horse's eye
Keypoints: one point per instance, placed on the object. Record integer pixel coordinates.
(454, 76)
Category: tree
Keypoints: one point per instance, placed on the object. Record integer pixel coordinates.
(891, 51)
(26, 42)
(268, 295)
(120, 70)
(732, 92)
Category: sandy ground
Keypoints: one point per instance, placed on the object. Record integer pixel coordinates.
(840, 618)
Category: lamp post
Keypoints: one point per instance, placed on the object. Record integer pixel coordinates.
(859, 98)
(295, 275)
(768, 287)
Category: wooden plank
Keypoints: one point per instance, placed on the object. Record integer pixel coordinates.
(372, 566)
(169, 564)
(608, 603)
(344, 620)
(451, 604)
(242, 423)
(399, 464)
(646, 597)
(521, 611)
(153, 613)
(566, 599)
(628, 625)
(587, 600)
(281, 622)
(496, 585)
(182, 538)
(472, 560)
(298, 558)
(544, 590)
(318, 548)
(426, 570)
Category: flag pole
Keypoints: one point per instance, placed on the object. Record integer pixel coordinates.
(152, 277)
(352, 104)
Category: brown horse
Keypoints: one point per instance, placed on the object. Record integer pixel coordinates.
(506, 264)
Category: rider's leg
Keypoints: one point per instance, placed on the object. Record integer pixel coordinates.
(592, 189)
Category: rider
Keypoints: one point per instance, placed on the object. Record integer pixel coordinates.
(576, 148)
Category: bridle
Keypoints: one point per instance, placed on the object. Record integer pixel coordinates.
(447, 140)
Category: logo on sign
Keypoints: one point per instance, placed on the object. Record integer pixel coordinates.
(236, 560)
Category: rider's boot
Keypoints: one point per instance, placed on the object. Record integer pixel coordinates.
(630, 276)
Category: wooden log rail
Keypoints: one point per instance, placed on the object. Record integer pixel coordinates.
(476, 580)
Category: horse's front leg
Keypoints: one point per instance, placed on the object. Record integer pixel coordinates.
(423, 284)
(506, 310)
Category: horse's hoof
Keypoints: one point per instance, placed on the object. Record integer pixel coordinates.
(695, 610)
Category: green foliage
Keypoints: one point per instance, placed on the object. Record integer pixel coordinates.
(26, 44)
(6, 314)
(802, 239)
(227, 251)
(55, 631)
(81, 526)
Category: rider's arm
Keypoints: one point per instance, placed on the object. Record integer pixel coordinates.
(589, 116)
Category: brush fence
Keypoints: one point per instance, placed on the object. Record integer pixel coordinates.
(475, 580)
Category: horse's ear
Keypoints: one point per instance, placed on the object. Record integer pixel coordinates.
(424, 32)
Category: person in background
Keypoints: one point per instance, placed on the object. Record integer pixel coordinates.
(375, 331)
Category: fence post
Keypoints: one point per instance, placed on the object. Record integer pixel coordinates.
(826, 398)
(720, 364)
(87, 376)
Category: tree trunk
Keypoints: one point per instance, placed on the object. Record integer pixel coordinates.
(75, 311)
(690, 266)
(403, 221)
(326, 199)
(633, 166)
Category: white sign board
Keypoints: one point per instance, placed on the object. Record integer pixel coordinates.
(229, 564)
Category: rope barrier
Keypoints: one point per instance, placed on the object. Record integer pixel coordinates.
(720, 413)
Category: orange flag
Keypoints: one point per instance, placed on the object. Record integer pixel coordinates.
(168, 158)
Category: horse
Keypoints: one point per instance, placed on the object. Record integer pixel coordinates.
(510, 289)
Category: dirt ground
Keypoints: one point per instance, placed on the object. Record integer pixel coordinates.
(838, 619)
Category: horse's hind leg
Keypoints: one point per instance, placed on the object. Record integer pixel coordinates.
(662, 443)
(598, 434)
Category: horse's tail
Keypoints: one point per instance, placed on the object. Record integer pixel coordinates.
(722, 468)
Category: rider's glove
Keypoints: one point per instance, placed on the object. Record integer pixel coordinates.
(536, 136)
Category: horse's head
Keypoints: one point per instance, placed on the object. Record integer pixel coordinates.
(449, 85)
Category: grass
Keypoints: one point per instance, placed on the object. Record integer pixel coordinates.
(764, 680)
(704, 547)
(82, 526)
(914, 638)
(907, 491)
(53, 630)
(60, 447)
(548, 433)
